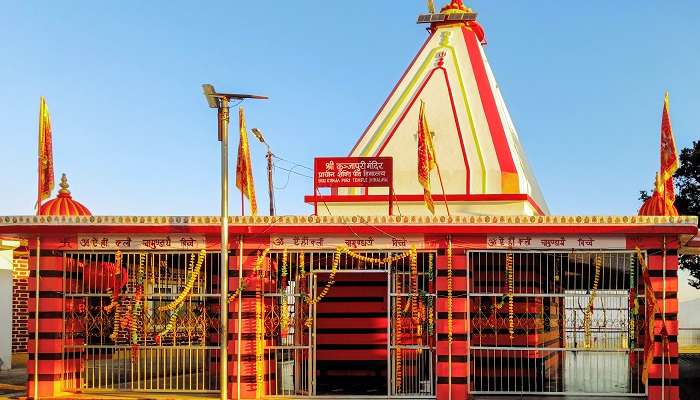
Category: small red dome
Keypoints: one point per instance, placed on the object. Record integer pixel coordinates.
(63, 204)
(654, 205)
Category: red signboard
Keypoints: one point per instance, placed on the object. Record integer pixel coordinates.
(337, 172)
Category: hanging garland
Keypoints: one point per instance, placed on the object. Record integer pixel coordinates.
(399, 333)
(633, 304)
(511, 284)
(259, 329)
(449, 291)
(114, 295)
(193, 274)
(413, 257)
(385, 260)
(331, 279)
(431, 318)
(587, 317)
(136, 308)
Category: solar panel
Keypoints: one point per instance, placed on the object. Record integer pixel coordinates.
(424, 19)
(462, 17)
(437, 17)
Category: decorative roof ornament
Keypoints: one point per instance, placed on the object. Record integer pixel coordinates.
(431, 6)
(63, 204)
(455, 7)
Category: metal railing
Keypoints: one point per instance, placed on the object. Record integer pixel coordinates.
(103, 352)
(689, 340)
(555, 323)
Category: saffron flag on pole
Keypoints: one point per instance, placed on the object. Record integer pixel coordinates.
(426, 157)
(669, 159)
(244, 170)
(46, 178)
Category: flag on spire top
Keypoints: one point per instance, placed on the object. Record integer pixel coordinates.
(669, 155)
(426, 157)
(244, 170)
(46, 178)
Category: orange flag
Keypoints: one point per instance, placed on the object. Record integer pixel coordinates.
(426, 157)
(244, 169)
(669, 159)
(46, 178)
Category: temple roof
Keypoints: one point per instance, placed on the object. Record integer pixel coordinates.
(477, 146)
(64, 204)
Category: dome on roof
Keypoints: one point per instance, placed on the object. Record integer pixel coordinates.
(656, 204)
(63, 204)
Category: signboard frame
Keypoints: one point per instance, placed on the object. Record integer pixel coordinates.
(362, 172)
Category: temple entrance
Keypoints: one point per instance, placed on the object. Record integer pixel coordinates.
(555, 323)
(352, 333)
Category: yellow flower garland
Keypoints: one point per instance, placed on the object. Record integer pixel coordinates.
(399, 333)
(259, 333)
(193, 275)
(331, 280)
(431, 321)
(587, 317)
(511, 284)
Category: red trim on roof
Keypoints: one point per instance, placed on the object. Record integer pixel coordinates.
(392, 92)
(454, 115)
(255, 233)
(488, 101)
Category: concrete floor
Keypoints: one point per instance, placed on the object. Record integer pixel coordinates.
(13, 386)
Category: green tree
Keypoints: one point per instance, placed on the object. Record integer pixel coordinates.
(687, 181)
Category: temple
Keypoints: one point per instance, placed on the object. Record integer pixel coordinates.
(494, 298)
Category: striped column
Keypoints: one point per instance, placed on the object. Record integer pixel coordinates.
(663, 373)
(456, 387)
(246, 369)
(50, 326)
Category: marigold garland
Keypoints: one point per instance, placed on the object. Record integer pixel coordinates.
(331, 279)
(193, 274)
(511, 284)
(399, 333)
(136, 309)
(259, 330)
(587, 317)
(413, 257)
(431, 321)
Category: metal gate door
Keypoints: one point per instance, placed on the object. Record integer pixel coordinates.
(555, 323)
(141, 321)
(413, 328)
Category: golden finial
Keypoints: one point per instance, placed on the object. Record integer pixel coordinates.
(64, 185)
(431, 6)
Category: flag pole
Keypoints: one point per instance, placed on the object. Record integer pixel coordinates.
(38, 169)
(444, 195)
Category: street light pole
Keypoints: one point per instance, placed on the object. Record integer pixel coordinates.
(270, 188)
(220, 101)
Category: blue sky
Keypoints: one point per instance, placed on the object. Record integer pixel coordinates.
(584, 82)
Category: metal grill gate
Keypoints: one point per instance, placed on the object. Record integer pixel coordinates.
(126, 359)
(555, 323)
(293, 357)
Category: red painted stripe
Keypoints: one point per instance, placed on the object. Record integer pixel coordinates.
(392, 92)
(488, 101)
(454, 115)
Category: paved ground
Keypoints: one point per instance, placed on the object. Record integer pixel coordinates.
(12, 386)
